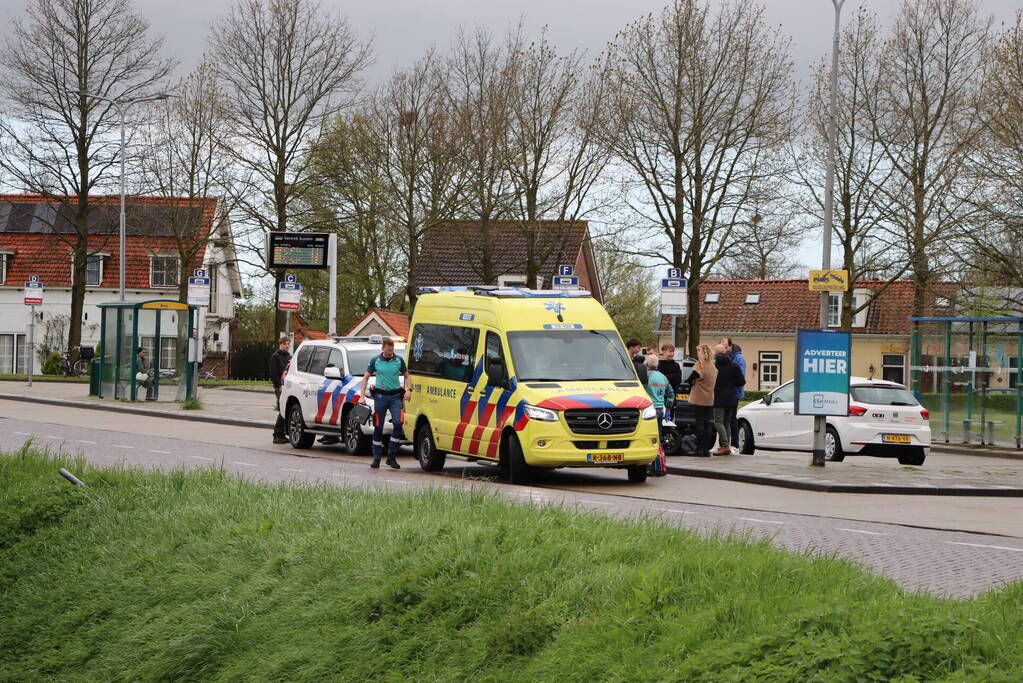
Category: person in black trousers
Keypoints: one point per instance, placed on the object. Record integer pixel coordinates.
(726, 402)
(278, 361)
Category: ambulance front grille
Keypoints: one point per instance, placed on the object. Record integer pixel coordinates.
(595, 420)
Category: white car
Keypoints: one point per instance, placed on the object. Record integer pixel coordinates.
(885, 419)
(320, 387)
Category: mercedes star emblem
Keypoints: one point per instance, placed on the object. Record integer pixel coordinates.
(604, 421)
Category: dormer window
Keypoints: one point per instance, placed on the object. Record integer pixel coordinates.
(5, 261)
(753, 297)
(94, 271)
(712, 298)
(164, 271)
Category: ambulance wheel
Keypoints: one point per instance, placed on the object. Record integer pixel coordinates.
(513, 462)
(430, 459)
(637, 474)
(296, 428)
(356, 442)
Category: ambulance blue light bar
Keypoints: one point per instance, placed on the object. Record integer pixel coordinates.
(511, 292)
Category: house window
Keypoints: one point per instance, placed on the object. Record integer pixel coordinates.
(94, 270)
(164, 271)
(893, 367)
(753, 297)
(213, 289)
(712, 297)
(834, 310)
(1013, 371)
(941, 302)
(13, 353)
(770, 370)
(4, 258)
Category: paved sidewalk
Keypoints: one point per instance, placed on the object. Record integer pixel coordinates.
(221, 405)
(965, 476)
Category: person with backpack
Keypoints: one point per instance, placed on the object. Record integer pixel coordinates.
(389, 396)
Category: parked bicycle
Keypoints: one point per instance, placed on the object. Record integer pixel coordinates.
(79, 367)
(208, 374)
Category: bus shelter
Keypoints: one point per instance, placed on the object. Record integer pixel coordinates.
(967, 373)
(164, 328)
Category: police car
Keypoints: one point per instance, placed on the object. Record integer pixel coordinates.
(320, 390)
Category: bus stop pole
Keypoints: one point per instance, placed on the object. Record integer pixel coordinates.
(31, 341)
(332, 287)
(1019, 386)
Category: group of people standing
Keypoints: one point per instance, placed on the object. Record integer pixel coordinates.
(716, 386)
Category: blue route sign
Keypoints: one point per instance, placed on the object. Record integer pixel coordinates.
(823, 367)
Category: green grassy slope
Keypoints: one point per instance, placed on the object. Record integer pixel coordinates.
(200, 576)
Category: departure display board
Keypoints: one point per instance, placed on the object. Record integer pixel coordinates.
(297, 250)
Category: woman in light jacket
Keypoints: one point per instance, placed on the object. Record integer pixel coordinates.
(701, 398)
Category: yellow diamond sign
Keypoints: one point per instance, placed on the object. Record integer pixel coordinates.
(829, 280)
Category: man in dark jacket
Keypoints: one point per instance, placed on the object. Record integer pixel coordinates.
(635, 349)
(278, 361)
(730, 378)
(669, 367)
(734, 352)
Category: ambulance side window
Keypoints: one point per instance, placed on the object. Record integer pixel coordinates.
(445, 351)
(496, 366)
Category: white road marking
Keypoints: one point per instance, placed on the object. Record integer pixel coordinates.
(51, 436)
(288, 469)
(681, 512)
(23, 433)
(981, 545)
(861, 531)
(247, 464)
(596, 502)
(153, 450)
(762, 521)
(84, 441)
(199, 457)
(399, 481)
(120, 446)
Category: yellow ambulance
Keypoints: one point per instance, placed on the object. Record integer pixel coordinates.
(524, 379)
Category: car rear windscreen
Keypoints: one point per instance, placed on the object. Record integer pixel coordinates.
(883, 396)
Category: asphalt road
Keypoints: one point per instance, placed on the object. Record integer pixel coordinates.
(950, 546)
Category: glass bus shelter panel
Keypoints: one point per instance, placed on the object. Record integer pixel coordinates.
(125, 362)
(108, 354)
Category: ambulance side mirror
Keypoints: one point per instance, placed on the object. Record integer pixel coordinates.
(497, 376)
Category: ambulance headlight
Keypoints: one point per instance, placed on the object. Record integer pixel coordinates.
(649, 413)
(542, 414)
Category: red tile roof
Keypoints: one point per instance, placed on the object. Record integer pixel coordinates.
(398, 322)
(449, 251)
(786, 305)
(28, 224)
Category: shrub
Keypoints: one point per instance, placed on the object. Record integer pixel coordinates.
(51, 364)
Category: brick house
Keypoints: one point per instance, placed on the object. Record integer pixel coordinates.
(382, 322)
(30, 244)
(763, 315)
(450, 255)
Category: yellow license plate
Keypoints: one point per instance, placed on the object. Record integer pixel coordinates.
(681, 397)
(896, 438)
(605, 457)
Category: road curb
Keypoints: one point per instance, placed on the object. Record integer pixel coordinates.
(967, 450)
(767, 480)
(132, 410)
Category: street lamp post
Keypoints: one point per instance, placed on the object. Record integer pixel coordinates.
(819, 421)
(120, 103)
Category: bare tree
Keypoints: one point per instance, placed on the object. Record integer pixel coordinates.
(766, 251)
(58, 144)
(993, 250)
(862, 171)
(924, 115)
(287, 66)
(552, 152)
(699, 112)
(479, 91)
(185, 164)
(421, 182)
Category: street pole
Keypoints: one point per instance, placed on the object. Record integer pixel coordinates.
(121, 241)
(819, 421)
(332, 276)
(31, 342)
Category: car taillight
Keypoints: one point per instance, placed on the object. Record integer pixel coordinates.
(856, 411)
(925, 414)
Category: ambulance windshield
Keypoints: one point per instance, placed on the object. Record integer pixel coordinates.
(570, 356)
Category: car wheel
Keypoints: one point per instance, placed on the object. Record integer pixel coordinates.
(430, 459)
(637, 474)
(670, 441)
(914, 456)
(296, 429)
(833, 446)
(356, 442)
(513, 462)
(745, 438)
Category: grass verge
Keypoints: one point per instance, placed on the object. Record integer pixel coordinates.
(201, 576)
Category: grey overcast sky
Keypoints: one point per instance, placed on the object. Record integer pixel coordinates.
(402, 29)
